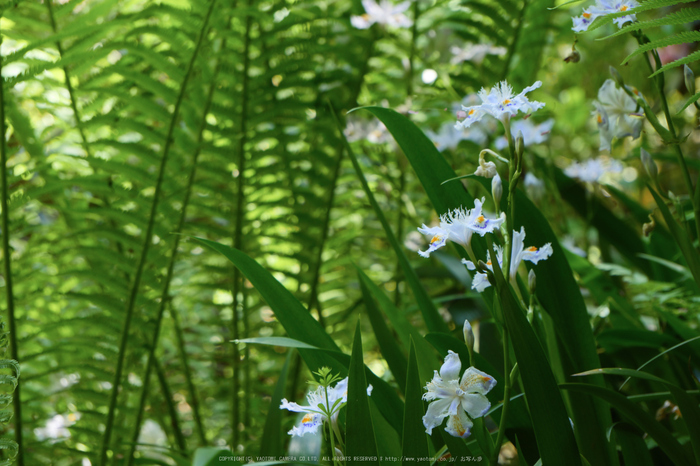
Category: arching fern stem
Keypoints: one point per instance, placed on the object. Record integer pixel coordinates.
(238, 231)
(146, 245)
(16, 403)
(164, 297)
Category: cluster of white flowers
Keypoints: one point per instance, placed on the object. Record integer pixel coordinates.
(532, 133)
(602, 8)
(518, 254)
(474, 52)
(501, 103)
(592, 170)
(319, 406)
(461, 399)
(458, 225)
(384, 12)
(617, 114)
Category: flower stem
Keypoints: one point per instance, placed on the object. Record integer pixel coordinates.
(506, 400)
(659, 81)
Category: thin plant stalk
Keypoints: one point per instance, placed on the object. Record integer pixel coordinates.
(164, 297)
(131, 304)
(238, 229)
(506, 399)
(7, 263)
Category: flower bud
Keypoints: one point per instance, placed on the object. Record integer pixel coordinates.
(496, 190)
(461, 114)
(616, 77)
(519, 145)
(532, 281)
(649, 165)
(468, 335)
(689, 79)
(647, 228)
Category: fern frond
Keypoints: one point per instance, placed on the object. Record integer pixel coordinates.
(686, 15)
(646, 6)
(682, 61)
(690, 102)
(681, 38)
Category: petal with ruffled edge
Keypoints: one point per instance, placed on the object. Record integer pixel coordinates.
(309, 425)
(535, 255)
(476, 381)
(474, 114)
(480, 282)
(459, 425)
(438, 240)
(517, 251)
(437, 411)
(293, 407)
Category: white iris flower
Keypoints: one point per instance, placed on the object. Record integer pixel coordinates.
(602, 8)
(592, 170)
(474, 52)
(317, 410)
(616, 114)
(501, 103)
(461, 400)
(384, 12)
(519, 254)
(458, 225)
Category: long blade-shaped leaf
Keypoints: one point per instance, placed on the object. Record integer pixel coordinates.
(271, 440)
(644, 421)
(415, 445)
(361, 443)
(433, 320)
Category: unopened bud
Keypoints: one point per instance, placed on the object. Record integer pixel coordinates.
(616, 76)
(482, 266)
(649, 165)
(496, 190)
(532, 281)
(689, 79)
(647, 228)
(468, 335)
(519, 145)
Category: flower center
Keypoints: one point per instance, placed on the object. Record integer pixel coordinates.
(480, 219)
(488, 263)
(600, 119)
(532, 249)
(587, 15)
(307, 419)
(624, 8)
(471, 112)
(435, 239)
(506, 102)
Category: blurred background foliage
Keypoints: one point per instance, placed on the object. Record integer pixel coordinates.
(134, 124)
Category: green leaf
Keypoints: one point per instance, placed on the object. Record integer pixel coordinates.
(631, 441)
(415, 445)
(555, 437)
(687, 405)
(405, 331)
(681, 236)
(209, 456)
(431, 316)
(360, 432)
(276, 341)
(664, 439)
(300, 326)
(387, 344)
(271, 440)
